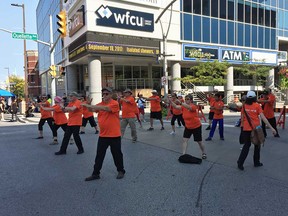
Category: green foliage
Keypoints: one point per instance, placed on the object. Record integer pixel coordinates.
(207, 73)
(283, 73)
(260, 72)
(17, 85)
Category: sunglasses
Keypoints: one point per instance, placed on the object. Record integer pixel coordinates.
(105, 94)
(187, 98)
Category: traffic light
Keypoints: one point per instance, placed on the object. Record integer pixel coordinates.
(53, 71)
(62, 23)
(62, 71)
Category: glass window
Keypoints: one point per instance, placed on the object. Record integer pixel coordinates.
(267, 38)
(144, 72)
(247, 35)
(187, 27)
(231, 33)
(261, 15)
(119, 72)
(286, 20)
(197, 6)
(223, 31)
(254, 14)
(240, 32)
(286, 4)
(214, 30)
(136, 72)
(273, 3)
(127, 72)
(273, 18)
(196, 28)
(156, 72)
(214, 6)
(281, 4)
(206, 29)
(223, 8)
(206, 7)
(240, 12)
(254, 36)
(273, 39)
(267, 17)
(260, 37)
(187, 6)
(247, 12)
(231, 10)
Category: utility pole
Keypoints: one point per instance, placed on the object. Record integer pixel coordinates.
(8, 78)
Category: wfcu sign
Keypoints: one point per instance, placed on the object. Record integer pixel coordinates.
(125, 19)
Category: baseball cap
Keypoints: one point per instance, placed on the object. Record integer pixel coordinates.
(58, 99)
(107, 89)
(251, 94)
(128, 90)
(73, 94)
(154, 91)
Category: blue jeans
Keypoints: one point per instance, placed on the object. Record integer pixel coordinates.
(221, 128)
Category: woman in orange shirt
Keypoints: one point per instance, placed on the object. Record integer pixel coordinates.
(176, 113)
(88, 116)
(192, 123)
(253, 110)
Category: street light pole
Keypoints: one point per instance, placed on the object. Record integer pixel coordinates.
(8, 78)
(164, 38)
(25, 53)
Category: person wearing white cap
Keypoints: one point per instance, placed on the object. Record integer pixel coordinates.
(155, 109)
(251, 110)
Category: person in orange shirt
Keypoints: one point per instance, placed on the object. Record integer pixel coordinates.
(176, 113)
(193, 125)
(110, 133)
(253, 110)
(211, 100)
(87, 116)
(60, 119)
(73, 126)
(218, 107)
(128, 105)
(155, 109)
(268, 100)
(45, 116)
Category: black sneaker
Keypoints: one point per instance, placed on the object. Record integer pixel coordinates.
(92, 177)
(162, 128)
(258, 164)
(208, 139)
(150, 129)
(96, 132)
(60, 153)
(120, 175)
(240, 167)
(208, 128)
(82, 132)
(40, 137)
(80, 151)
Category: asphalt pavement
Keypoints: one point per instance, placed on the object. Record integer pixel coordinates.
(36, 182)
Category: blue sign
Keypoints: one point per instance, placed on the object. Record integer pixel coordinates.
(235, 55)
(125, 19)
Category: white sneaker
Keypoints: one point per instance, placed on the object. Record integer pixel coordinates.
(172, 133)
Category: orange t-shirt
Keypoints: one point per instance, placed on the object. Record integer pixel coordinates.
(176, 111)
(128, 108)
(191, 117)
(211, 100)
(75, 117)
(109, 122)
(253, 112)
(155, 104)
(218, 114)
(268, 110)
(59, 116)
(45, 114)
(86, 112)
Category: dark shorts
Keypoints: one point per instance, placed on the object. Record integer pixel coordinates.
(156, 115)
(211, 115)
(197, 133)
(91, 121)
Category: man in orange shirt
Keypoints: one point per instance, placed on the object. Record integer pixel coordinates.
(88, 116)
(211, 100)
(73, 126)
(176, 113)
(110, 134)
(192, 123)
(45, 116)
(268, 101)
(218, 107)
(128, 114)
(155, 109)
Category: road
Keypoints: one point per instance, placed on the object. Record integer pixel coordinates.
(36, 182)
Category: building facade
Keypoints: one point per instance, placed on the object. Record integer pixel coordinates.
(34, 82)
(119, 44)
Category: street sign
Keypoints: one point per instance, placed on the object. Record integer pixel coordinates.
(24, 36)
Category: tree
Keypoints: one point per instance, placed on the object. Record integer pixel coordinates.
(207, 73)
(283, 73)
(17, 85)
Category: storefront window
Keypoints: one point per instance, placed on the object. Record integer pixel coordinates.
(214, 6)
(136, 72)
(119, 72)
(144, 72)
(157, 72)
(127, 72)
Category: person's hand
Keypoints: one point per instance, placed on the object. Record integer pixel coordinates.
(274, 131)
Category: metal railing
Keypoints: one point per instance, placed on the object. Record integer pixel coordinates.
(193, 89)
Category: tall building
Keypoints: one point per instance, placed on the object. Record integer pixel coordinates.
(119, 44)
(33, 78)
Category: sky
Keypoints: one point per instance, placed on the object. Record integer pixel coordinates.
(12, 50)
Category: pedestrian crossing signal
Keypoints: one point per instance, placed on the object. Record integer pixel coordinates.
(62, 71)
(62, 23)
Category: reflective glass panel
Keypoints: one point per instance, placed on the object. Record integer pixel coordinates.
(197, 6)
(206, 29)
(231, 33)
(240, 16)
(267, 38)
(223, 31)
(187, 6)
(196, 28)
(187, 27)
(254, 36)
(240, 32)
(231, 10)
(214, 31)
(247, 35)
(206, 7)
(247, 12)
(223, 8)
(214, 6)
